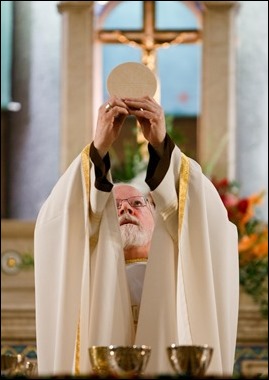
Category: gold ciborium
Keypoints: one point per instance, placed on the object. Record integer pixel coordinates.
(119, 360)
(190, 360)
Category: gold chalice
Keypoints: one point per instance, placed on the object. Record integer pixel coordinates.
(123, 361)
(190, 360)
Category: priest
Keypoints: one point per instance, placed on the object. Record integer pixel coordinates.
(188, 286)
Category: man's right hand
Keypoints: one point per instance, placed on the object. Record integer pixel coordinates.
(111, 117)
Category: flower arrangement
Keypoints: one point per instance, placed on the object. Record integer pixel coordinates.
(252, 243)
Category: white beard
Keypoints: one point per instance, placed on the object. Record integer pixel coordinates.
(133, 236)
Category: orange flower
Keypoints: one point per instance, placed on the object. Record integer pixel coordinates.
(247, 242)
(261, 249)
(246, 207)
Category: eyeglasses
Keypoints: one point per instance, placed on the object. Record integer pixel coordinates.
(136, 202)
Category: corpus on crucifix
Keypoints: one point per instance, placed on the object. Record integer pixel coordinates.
(149, 39)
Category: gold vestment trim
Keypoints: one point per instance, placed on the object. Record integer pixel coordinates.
(85, 166)
(140, 259)
(85, 169)
(183, 188)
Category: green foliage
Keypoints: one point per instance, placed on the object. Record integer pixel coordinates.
(27, 261)
(133, 162)
(173, 132)
(253, 278)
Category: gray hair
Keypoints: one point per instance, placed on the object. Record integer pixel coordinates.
(142, 187)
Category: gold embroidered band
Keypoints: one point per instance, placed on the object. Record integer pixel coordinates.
(140, 259)
(183, 188)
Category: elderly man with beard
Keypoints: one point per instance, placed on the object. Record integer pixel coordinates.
(91, 235)
(136, 219)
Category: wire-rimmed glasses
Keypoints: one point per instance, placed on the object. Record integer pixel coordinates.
(136, 201)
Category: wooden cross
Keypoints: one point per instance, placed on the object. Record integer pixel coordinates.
(149, 39)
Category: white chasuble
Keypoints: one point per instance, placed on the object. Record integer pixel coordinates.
(191, 282)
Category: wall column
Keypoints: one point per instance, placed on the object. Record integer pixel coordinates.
(216, 129)
(77, 78)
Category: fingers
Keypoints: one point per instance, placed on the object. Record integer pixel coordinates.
(151, 119)
(138, 105)
(110, 120)
(114, 106)
(145, 109)
(108, 107)
(112, 114)
(133, 106)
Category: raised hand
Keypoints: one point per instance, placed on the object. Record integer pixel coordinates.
(150, 116)
(111, 117)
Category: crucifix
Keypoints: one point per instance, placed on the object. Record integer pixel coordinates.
(149, 39)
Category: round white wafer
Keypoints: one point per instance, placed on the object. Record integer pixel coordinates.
(131, 80)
